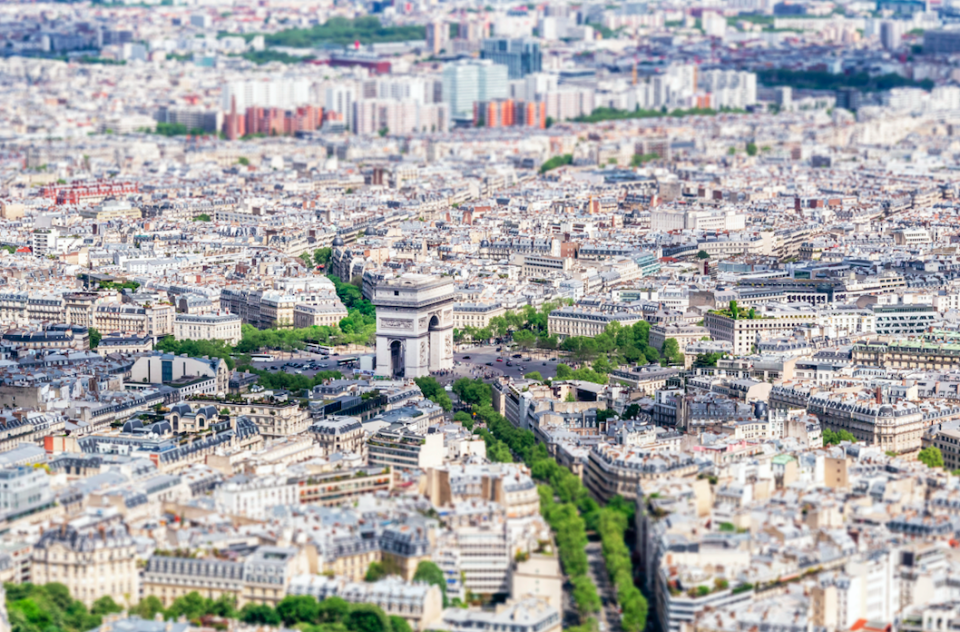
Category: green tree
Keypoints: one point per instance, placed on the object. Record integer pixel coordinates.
(498, 452)
(202, 217)
(244, 161)
(322, 256)
(602, 366)
(367, 618)
(671, 351)
(834, 438)
(751, 149)
(399, 624)
(533, 375)
(259, 614)
(307, 261)
(333, 610)
(375, 572)
(105, 605)
(555, 162)
(734, 310)
(703, 254)
(464, 419)
(95, 337)
(148, 607)
(432, 390)
(192, 606)
(473, 392)
(931, 456)
(223, 606)
(564, 372)
(525, 338)
(294, 609)
(430, 573)
(585, 596)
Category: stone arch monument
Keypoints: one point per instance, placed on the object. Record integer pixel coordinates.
(414, 325)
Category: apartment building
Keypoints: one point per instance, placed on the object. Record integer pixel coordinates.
(903, 319)
(896, 426)
(508, 485)
(155, 321)
(332, 489)
(405, 450)
(218, 326)
(540, 266)
(908, 354)
(274, 418)
(317, 315)
(533, 614)
(682, 333)
(744, 332)
(578, 321)
(110, 209)
(23, 490)
(340, 434)
(618, 469)
(476, 315)
(261, 578)
(93, 556)
(421, 605)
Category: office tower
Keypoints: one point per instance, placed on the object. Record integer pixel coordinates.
(468, 81)
(520, 56)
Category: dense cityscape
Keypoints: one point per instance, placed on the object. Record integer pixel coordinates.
(382, 316)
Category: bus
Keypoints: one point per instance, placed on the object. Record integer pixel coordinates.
(313, 347)
(258, 357)
(351, 361)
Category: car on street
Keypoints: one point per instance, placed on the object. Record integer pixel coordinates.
(499, 359)
(516, 356)
(466, 357)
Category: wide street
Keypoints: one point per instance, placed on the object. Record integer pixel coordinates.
(478, 357)
(471, 362)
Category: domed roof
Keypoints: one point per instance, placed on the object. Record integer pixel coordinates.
(886, 411)
(484, 244)
(338, 241)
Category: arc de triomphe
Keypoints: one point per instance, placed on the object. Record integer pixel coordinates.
(414, 325)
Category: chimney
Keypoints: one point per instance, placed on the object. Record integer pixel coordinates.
(879, 395)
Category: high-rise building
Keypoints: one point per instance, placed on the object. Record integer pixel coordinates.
(399, 117)
(281, 93)
(340, 98)
(509, 113)
(520, 56)
(729, 88)
(469, 81)
(891, 34)
(941, 41)
(438, 34)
